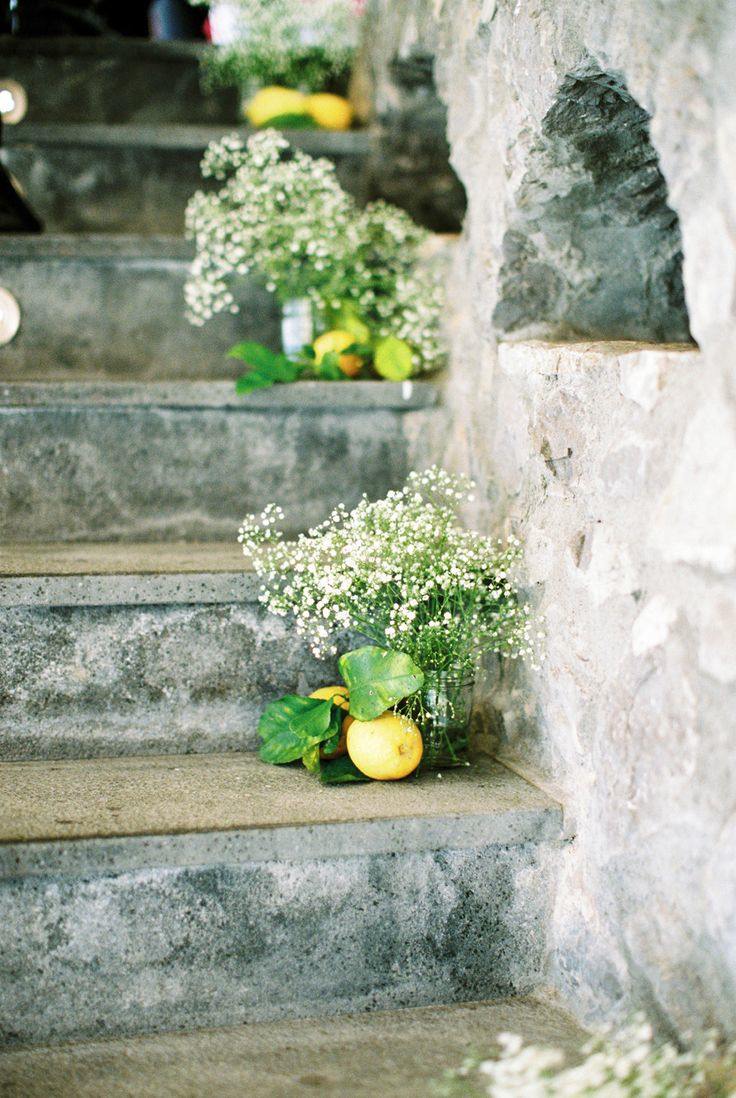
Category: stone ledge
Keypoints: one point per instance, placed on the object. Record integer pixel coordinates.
(80, 816)
(177, 136)
(511, 352)
(120, 574)
(314, 396)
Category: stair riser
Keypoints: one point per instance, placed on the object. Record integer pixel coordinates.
(83, 681)
(125, 188)
(124, 318)
(218, 944)
(148, 473)
(118, 85)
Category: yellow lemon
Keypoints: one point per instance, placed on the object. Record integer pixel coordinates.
(331, 112)
(387, 748)
(272, 102)
(337, 340)
(340, 695)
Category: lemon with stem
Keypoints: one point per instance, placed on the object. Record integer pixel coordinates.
(387, 748)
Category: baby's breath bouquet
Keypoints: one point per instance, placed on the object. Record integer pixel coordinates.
(282, 217)
(297, 43)
(403, 573)
(627, 1063)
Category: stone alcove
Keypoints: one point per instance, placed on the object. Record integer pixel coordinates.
(593, 249)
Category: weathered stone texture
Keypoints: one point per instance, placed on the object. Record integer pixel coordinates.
(114, 80)
(410, 164)
(615, 464)
(207, 945)
(138, 179)
(99, 468)
(365, 1055)
(115, 307)
(120, 680)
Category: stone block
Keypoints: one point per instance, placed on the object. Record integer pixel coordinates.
(114, 80)
(114, 306)
(116, 936)
(187, 460)
(138, 179)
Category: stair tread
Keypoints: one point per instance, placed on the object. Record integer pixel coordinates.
(184, 795)
(375, 1055)
(125, 574)
(116, 558)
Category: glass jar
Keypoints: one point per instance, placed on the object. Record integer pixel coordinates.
(446, 703)
(297, 325)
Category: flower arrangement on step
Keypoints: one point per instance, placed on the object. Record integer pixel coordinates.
(281, 217)
(627, 1063)
(298, 53)
(429, 595)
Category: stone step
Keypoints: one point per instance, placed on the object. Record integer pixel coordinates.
(387, 1054)
(114, 80)
(185, 460)
(141, 895)
(132, 178)
(114, 305)
(139, 649)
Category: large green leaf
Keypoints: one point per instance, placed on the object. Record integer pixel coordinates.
(248, 383)
(267, 367)
(339, 771)
(377, 678)
(254, 355)
(291, 725)
(329, 368)
(393, 359)
(310, 758)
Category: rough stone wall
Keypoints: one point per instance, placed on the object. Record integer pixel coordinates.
(395, 84)
(615, 462)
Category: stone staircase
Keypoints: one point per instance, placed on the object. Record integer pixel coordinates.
(154, 875)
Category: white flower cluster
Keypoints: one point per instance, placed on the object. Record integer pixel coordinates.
(286, 41)
(626, 1064)
(401, 572)
(282, 216)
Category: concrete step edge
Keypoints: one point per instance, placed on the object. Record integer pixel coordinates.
(112, 574)
(178, 136)
(113, 815)
(307, 396)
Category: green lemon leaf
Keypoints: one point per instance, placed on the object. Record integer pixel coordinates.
(377, 678)
(253, 354)
(393, 359)
(267, 366)
(291, 725)
(330, 746)
(339, 771)
(310, 758)
(248, 383)
(329, 368)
